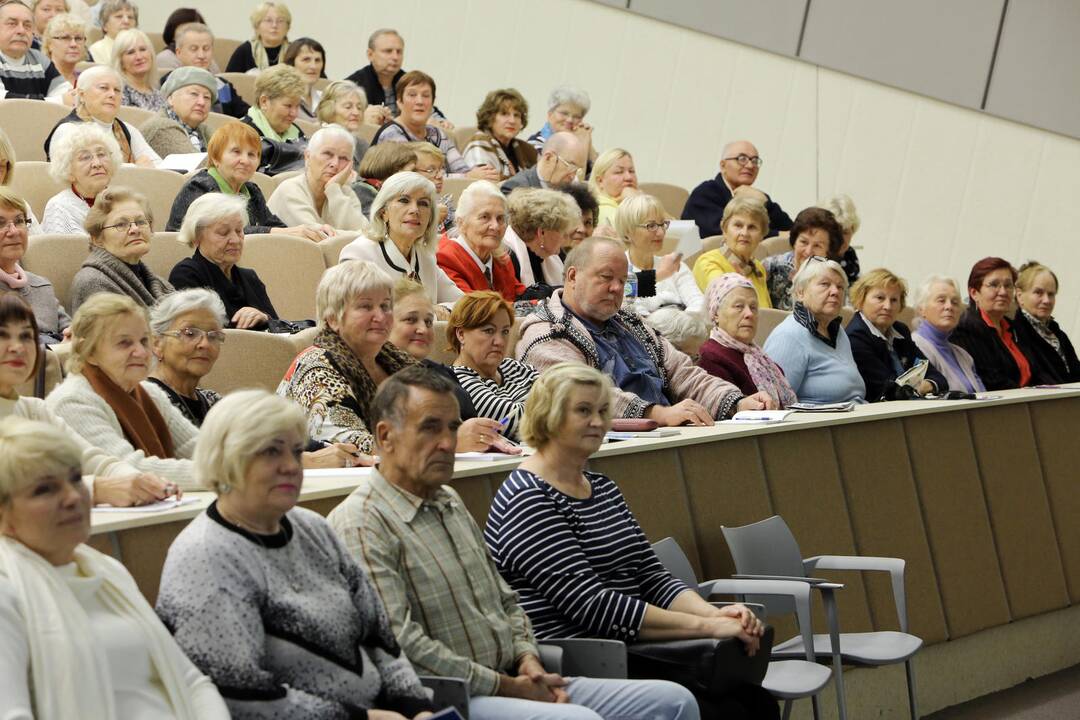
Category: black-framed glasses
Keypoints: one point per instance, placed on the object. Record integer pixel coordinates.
(194, 335)
(744, 159)
(654, 226)
(125, 225)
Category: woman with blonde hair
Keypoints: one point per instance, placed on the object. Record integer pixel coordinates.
(477, 259)
(344, 104)
(500, 118)
(843, 209)
(133, 58)
(277, 104)
(744, 224)
(64, 43)
(613, 180)
(271, 22)
(1037, 331)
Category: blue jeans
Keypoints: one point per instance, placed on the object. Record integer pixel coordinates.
(593, 699)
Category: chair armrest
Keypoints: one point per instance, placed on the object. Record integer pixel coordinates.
(591, 657)
(812, 581)
(551, 657)
(448, 691)
(893, 566)
(796, 588)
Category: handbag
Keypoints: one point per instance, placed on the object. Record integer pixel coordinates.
(704, 665)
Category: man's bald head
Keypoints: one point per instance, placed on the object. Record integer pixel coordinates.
(560, 159)
(735, 173)
(595, 273)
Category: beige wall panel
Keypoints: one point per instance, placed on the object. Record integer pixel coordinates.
(886, 520)
(1060, 455)
(957, 525)
(477, 492)
(1019, 510)
(144, 553)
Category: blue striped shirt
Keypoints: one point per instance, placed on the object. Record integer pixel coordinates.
(582, 568)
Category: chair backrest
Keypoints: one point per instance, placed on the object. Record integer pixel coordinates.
(215, 120)
(266, 183)
(768, 319)
(157, 41)
(303, 339)
(250, 359)
(223, 50)
(710, 243)
(456, 186)
(367, 131)
(57, 258)
(440, 354)
(54, 374)
(310, 127)
(672, 197)
(332, 247)
(34, 183)
(165, 251)
(772, 246)
(244, 84)
(93, 34)
(159, 186)
(766, 547)
(290, 267)
(462, 135)
(907, 315)
(674, 560)
(846, 313)
(134, 115)
(28, 123)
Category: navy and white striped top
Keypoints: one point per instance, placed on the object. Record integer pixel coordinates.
(495, 401)
(582, 568)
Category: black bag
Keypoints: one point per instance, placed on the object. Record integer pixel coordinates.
(704, 666)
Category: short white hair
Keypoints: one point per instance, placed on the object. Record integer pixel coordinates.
(209, 209)
(922, 292)
(677, 325)
(569, 95)
(843, 209)
(476, 192)
(165, 311)
(811, 269)
(81, 136)
(124, 41)
(236, 429)
(91, 74)
(341, 283)
(404, 183)
(331, 132)
(30, 450)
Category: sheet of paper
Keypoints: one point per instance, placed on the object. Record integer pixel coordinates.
(688, 240)
(628, 435)
(753, 416)
(914, 376)
(159, 506)
(183, 162)
(483, 456)
(337, 472)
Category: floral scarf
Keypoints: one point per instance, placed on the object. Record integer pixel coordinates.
(390, 359)
(1047, 334)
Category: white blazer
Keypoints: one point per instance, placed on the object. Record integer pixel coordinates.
(438, 286)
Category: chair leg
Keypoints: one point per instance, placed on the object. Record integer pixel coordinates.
(909, 666)
(787, 710)
(817, 708)
(838, 665)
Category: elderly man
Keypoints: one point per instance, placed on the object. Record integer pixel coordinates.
(178, 129)
(561, 157)
(739, 166)
(24, 72)
(379, 78)
(583, 322)
(195, 48)
(451, 611)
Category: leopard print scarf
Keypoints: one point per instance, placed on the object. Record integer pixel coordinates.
(390, 359)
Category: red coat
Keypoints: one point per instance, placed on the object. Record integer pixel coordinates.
(460, 267)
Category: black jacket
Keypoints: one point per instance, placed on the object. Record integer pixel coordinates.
(993, 361)
(1047, 369)
(366, 78)
(872, 358)
(706, 203)
(243, 289)
(200, 183)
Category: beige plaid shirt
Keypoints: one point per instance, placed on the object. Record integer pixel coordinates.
(451, 611)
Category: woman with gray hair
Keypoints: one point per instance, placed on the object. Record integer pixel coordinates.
(810, 345)
(541, 221)
(401, 238)
(566, 110)
(214, 226)
(344, 104)
(133, 58)
(335, 379)
(322, 194)
(80, 639)
(263, 595)
(477, 259)
(939, 307)
(685, 330)
(85, 160)
(98, 93)
(113, 16)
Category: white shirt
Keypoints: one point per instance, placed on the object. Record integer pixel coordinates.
(488, 266)
(437, 285)
(679, 289)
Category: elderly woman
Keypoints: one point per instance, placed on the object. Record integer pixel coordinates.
(70, 612)
(335, 379)
(167, 60)
(85, 160)
(985, 330)
(344, 104)
(37, 291)
(309, 57)
(104, 397)
(431, 163)
(744, 224)
(271, 22)
(590, 212)
(214, 226)
(479, 332)
(641, 223)
(477, 259)
(277, 103)
(380, 163)
(502, 115)
(415, 93)
(119, 228)
(97, 98)
(881, 345)
(573, 581)
(178, 129)
(65, 45)
(687, 331)
(262, 594)
(843, 209)
(44, 11)
(613, 180)
(401, 237)
(566, 110)
(133, 58)
(810, 346)
(938, 306)
(114, 16)
(322, 195)
(1036, 330)
(815, 233)
(730, 352)
(232, 157)
(540, 225)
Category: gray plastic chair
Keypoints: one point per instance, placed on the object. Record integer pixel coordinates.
(788, 680)
(768, 550)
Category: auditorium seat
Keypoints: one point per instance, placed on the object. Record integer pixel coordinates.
(710, 243)
(28, 123)
(290, 267)
(332, 247)
(250, 359)
(215, 120)
(223, 50)
(772, 246)
(455, 186)
(462, 135)
(54, 372)
(165, 251)
(303, 339)
(367, 131)
(907, 316)
(672, 197)
(93, 34)
(57, 258)
(768, 319)
(309, 127)
(134, 115)
(157, 41)
(159, 186)
(244, 84)
(33, 183)
(266, 183)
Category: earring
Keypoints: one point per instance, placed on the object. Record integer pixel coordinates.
(224, 489)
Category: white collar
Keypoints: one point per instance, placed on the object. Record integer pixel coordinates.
(489, 265)
(890, 338)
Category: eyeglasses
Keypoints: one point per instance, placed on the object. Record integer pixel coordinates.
(78, 39)
(274, 21)
(567, 115)
(18, 223)
(996, 285)
(85, 157)
(125, 225)
(434, 173)
(744, 159)
(194, 335)
(654, 226)
(573, 166)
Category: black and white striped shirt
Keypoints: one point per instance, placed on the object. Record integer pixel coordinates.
(582, 568)
(496, 401)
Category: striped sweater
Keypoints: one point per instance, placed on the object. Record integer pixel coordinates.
(582, 568)
(498, 402)
(27, 77)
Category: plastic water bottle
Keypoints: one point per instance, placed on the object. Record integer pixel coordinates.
(630, 289)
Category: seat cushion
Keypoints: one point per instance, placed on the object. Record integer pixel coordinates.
(871, 648)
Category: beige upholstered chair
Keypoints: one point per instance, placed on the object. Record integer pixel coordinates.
(159, 186)
(290, 267)
(308, 126)
(223, 50)
(244, 83)
(215, 120)
(250, 359)
(710, 243)
(266, 183)
(57, 258)
(772, 246)
(34, 184)
(768, 319)
(157, 41)
(455, 186)
(28, 123)
(462, 135)
(672, 197)
(133, 115)
(367, 131)
(332, 247)
(165, 251)
(54, 370)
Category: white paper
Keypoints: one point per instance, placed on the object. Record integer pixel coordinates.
(757, 416)
(631, 434)
(688, 240)
(337, 472)
(822, 407)
(159, 506)
(184, 162)
(483, 456)
(914, 376)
